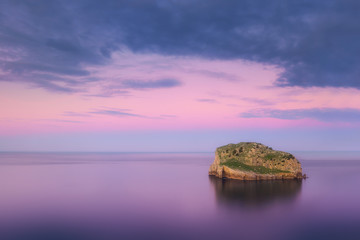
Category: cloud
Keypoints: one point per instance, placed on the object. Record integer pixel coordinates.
(216, 75)
(168, 116)
(206, 100)
(315, 42)
(112, 112)
(321, 114)
(75, 114)
(66, 121)
(43, 45)
(122, 88)
(111, 91)
(161, 83)
(57, 120)
(117, 113)
(258, 101)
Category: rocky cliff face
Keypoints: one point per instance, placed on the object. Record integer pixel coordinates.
(254, 161)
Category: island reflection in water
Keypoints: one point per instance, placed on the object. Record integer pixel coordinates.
(250, 194)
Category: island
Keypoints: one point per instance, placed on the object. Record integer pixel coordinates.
(254, 161)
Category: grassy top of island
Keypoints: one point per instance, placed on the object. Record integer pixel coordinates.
(234, 164)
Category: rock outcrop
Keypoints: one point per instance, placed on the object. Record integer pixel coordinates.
(254, 161)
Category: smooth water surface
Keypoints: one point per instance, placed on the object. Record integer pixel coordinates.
(170, 196)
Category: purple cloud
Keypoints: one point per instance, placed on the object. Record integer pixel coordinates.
(161, 83)
(321, 114)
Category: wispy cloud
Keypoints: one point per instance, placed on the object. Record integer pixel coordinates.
(258, 101)
(75, 114)
(215, 74)
(117, 113)
(123, 87)
(58, 120)
(321, 114)
(168, 116)
(110, 91)
(151, 84)
(207, 100)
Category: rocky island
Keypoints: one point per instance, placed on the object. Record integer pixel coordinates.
(254, 161)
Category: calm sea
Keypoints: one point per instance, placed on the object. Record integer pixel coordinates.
(170, 196)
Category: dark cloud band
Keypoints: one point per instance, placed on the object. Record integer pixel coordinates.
(314, 41)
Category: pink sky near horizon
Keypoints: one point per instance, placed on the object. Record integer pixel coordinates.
(212, 95)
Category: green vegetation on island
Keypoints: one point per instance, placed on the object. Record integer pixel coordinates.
(234, 164)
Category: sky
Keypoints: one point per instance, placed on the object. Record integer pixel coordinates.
(179, 75)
